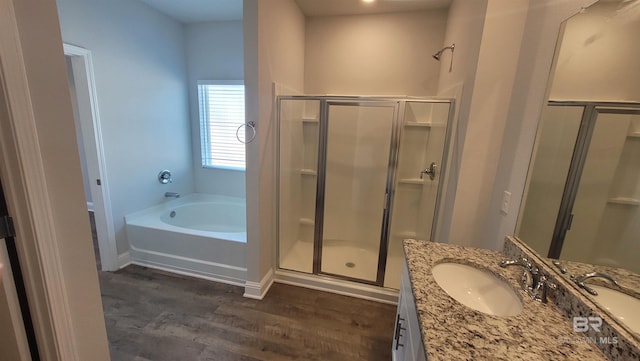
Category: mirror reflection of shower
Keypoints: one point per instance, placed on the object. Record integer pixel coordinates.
(438, 54)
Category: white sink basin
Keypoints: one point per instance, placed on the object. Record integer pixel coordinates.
(622, 306)
(477, 289)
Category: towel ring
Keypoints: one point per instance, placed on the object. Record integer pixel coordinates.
(252, 126)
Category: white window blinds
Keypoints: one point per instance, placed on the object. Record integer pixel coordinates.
(221, 113)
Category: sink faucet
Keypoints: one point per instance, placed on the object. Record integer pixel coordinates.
(171, 195)
(538, 287)
(579, 280)
(526, 275)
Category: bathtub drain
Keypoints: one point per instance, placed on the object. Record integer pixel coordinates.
(350, 264)
(172, 214)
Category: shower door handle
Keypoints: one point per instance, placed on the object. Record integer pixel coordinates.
(431, 171)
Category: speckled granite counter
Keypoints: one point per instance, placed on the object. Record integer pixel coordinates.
(452, 331)
(573, 302)
(629, 281)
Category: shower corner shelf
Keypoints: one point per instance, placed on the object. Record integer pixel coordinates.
(411, 181)
(634, 135)
(624, 200)
(418, 125)
(306, 171)
(307, 221)
(309, 121)
(407, 235)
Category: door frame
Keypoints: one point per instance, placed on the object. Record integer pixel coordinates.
(91, 129)
(28, 198)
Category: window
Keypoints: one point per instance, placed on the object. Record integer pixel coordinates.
(221, 107)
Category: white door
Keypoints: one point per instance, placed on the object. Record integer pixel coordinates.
(13, 342)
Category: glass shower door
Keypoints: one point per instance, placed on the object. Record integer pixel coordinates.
(359, 139)
(605, 217)
(550, 165)
(298, 169)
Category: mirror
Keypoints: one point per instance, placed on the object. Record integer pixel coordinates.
(582, 198)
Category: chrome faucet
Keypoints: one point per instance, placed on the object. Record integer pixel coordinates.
(579, 280)
(171, 195)
(526, 265)
(538, 285)
(431, 171)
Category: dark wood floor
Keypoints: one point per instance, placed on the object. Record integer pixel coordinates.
(155, 316)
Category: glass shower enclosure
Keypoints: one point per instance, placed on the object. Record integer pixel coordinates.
(357, 175)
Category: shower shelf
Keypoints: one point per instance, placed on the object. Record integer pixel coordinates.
(408, 234)
(423, 125)
(411, 181)
(310, 120)
(634, 135)
(305, 171)
(420, 125)
(625, 201)
(307, 221)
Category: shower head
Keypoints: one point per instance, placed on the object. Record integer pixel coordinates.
(439, 53)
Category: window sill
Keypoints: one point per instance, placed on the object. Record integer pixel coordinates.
(215, 167)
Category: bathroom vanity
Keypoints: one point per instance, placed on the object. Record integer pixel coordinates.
(432, 325)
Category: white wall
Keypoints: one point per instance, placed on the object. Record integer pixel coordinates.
(214, 52)
(598, 58)
(494, 81)
(140, 73)
(274, 52)
(464, 28)
(386, 54)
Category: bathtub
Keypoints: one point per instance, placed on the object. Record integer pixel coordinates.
(198, 235)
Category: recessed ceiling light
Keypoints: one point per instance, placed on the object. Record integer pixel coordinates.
(368, 1)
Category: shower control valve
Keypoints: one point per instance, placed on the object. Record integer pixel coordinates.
(431, 171)
(164, 177)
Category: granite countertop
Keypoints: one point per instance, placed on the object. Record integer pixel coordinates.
(629, 281)
(452, 331)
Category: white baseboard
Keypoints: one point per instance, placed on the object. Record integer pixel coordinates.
(345, 288)
(90, 206)
(124, 259)
(257, 290)
(190, 267)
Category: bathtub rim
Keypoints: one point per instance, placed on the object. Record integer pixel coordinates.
(144, 217)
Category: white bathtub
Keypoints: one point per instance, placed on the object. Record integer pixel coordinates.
(199, 235)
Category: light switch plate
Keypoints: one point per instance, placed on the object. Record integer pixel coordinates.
(506, 199)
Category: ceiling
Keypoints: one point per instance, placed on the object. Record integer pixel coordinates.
(357, 7)
(193, 11)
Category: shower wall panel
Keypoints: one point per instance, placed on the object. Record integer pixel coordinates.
(298, 137)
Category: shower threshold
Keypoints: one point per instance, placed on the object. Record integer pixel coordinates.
(337, 286)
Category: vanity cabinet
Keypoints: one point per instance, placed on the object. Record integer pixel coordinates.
(407, 341)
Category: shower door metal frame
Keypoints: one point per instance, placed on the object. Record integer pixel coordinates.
(321, 184)
(591, 111)
(397, 130)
